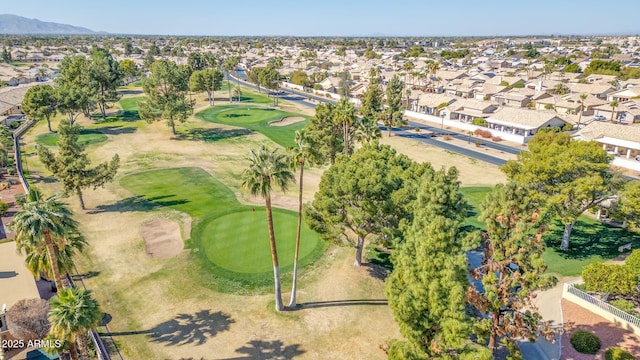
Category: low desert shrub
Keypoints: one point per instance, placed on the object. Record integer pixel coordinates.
(624, 305)
(615, 353)
(496, 138)
(585, 342)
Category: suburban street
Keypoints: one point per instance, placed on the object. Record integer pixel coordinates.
(426, 138)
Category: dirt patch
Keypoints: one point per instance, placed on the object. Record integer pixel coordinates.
(162, 238)
(287, 121)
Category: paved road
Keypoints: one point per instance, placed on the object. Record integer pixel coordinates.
(302, 99)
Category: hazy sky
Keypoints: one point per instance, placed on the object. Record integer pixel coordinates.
(338, 17)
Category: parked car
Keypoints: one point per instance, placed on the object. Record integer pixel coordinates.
(599, 117)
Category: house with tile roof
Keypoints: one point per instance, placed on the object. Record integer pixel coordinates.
(521, 124)
(621, 141)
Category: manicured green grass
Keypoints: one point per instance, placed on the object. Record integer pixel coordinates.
(256, 119)
(87, 137)
(231, 236)
(130, 108)
(475, 196)
(591, 240)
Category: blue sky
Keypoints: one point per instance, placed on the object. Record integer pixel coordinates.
(338, 17)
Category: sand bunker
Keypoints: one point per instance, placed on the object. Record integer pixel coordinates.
(162, 238)
(287, 121)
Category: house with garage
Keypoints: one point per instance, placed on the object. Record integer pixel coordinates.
(465, 110)
(431, 103)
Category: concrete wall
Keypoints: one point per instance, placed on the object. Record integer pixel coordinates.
(622, 323)
(626, 163)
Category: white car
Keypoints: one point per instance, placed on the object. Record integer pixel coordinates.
(599, 117)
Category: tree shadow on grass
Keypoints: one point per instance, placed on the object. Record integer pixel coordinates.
(210, 135)
(138, 203)
(266, 350)
(236, 115)
(116, 130)
(590, 239)
(334, 303)
(39, 179)
(122, 115)
(186, 329)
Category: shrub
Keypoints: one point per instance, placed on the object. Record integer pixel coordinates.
(615, 353)
(624, 305)
(613, 279)
(417, 129)
(447, 137)
(11, 171)
(585, 342)
(4, 207)
(402, 350)
(633, 263)
(567, 127)
(496, 138)
(478, 143)
(486, 134)
(479, 121)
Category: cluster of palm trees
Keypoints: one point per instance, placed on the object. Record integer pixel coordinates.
(269, 168)
(47, 234)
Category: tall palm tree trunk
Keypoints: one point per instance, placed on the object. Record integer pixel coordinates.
(57, 275)
(345, 134)
(274, 256)
(82, 345)
(292, 302)
(229, 85)
(73, 350)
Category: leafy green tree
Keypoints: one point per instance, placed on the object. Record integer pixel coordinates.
(6, 55)
(105, 73)
(372, 100)
(40, 103)
(70, 165)
(199, 61)
(73, 313)
(572, 68)
(166, 94)
(129, 69)
(367, 131)
(569, 176)
(300, 77)
(270, 79)
(75, 91)
(512, 268)
(393, 111)
(325, 133)
(303, 154)
(268, 168)
(254, 75)
(629, 204)
(208, 80)
(365, 195)
(583, 97)
(45, 223)
(427, 288)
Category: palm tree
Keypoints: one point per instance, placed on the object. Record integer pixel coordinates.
(268, 168)
(46, 224)
(345, 113)
(433, 67)
(302, 154)
(73, 313)
(408, 67)
(367, 130)
(614, 104)
(583, 97)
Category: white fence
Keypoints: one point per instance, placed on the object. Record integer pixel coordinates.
(604, 309)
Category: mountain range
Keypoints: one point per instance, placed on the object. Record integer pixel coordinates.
(16, 25)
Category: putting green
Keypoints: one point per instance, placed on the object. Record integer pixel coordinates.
(232, 237)
(239, 242)
(86, 137)
(257, 119)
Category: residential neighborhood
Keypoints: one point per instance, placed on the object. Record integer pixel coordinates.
(343, 181)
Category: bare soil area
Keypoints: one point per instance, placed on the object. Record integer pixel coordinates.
(161, 238)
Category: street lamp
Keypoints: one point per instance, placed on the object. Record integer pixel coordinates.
(442, 114)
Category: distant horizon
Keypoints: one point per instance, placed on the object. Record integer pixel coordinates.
(334, 18)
